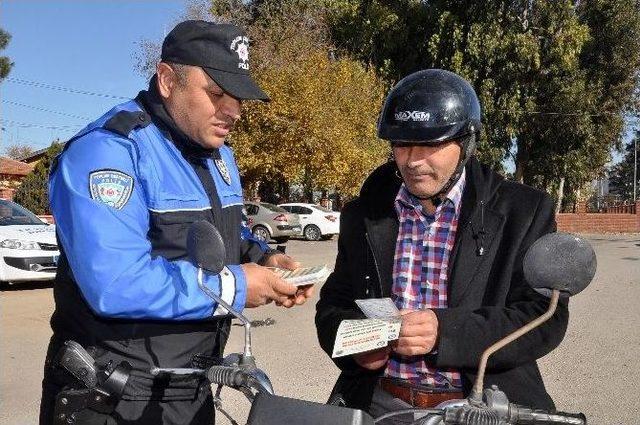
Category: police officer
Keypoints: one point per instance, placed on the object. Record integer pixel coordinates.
(444, 236)
(124, 192)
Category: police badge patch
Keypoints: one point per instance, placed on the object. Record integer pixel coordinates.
(111, 187)
(224, 171)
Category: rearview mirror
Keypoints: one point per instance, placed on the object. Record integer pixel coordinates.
(206, 247)
(554, 264)
(560, 261)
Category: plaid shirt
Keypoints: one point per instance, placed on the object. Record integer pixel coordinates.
(420, 273)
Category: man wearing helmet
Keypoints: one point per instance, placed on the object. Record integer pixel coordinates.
(444, 237)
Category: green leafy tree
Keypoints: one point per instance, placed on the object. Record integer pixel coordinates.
(599, 91)
(492, 44)
(32, 192)
(5, 62)
(611, 61)
(553, 136)
(621, 175)
(555, 78)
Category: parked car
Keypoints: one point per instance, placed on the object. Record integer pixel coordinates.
(268, 221)
(28, 247)
(317, 222)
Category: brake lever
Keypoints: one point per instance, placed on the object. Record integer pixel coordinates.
(160, 371)
(259, 381)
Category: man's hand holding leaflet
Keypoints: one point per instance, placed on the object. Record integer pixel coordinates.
(369, 336)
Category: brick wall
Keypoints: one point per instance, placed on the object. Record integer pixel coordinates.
(583, 222)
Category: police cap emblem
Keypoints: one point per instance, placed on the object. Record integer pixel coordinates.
(111, 187)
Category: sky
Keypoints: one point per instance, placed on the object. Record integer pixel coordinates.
(87, 46)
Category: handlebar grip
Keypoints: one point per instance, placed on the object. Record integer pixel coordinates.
(562, 418)
(226, 375)
(543, 417)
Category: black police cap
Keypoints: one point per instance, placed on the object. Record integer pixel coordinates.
(221, 50)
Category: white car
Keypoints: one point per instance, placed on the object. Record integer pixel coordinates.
(28, 247)
(317, 222)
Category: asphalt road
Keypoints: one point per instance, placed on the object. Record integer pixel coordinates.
(593, 371)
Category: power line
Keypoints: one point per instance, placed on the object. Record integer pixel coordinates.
(61, 88)
(37, 108)
(89, 93)
(568, 114)
(34, 125)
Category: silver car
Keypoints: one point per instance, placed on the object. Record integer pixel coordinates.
(268, 221)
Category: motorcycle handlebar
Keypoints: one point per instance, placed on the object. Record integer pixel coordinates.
(235, 377)
(476, 415)
(227, 375)
(558, 418)
(526, 416)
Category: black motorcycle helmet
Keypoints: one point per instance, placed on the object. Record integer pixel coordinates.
(431, 107)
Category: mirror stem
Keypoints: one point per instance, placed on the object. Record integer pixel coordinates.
(476, 393)
(245, 322)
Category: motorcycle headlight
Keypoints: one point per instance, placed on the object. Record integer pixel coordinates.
(18, 244)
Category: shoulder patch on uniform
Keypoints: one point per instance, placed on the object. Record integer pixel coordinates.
(124, 122)
(111, 187)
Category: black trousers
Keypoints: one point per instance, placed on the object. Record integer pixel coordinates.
(199, 411)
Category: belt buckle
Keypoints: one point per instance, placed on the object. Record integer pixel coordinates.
(437, 390)
(420, 387)
(414, 390)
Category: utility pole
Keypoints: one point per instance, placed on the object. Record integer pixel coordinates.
(635, 167)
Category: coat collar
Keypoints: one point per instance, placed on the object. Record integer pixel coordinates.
(477, 228)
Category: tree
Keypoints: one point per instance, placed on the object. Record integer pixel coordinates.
(600, 91)
(555, 78)
(492, 44)
(554, 137)
(621, 175)
(18, 151)
(149, 51)
(32, 192)
(5, 62)
(319, 128)
(611, 61)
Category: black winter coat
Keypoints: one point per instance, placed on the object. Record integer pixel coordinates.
(488, 296)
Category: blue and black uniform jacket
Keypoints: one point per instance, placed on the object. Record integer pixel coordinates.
(124, 193)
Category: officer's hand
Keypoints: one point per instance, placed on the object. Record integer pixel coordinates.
(373, 360)
(264, 286)
(418, 334)
(283, 261)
